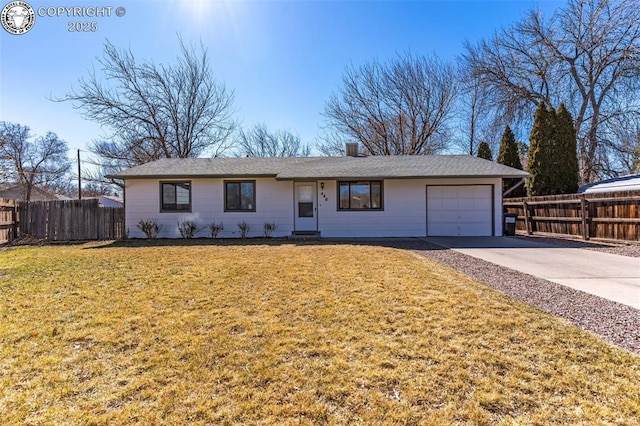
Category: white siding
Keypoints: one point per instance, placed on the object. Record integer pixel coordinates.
(404, 213)
(273, 204)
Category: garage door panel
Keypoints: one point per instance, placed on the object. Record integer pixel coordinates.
(465, 192)
(449, 204)
(448, 196)
(464, 210)
(482, 190)
(483, 204)
(447, 229)
(436, 191)
(437, 216)
(449, 216)
(469, 216)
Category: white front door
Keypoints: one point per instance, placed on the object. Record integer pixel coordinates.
(305, 206)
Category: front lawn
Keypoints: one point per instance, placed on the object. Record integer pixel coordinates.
(285, 333)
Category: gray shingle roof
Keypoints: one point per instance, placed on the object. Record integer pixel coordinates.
(402, 166)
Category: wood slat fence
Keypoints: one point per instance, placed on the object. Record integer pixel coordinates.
(8, 221)
(607, 216)
(64, 220)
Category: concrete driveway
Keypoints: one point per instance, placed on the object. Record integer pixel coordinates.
(606, 275)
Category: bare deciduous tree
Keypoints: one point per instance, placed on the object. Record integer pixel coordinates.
(331, 144)
(621, 144)
(585, 55)
(41, 162)
(515, 73)
(473, 97)
(398, 107)
(94, 189)
(474, 124)
(5, 160)
(261, 142)
(153, 110)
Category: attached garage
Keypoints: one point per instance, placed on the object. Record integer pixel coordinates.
(460, 210)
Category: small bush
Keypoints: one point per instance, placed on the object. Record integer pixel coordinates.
(187, 228)
(215, 229)
(150, 228)
(244, 228)
(269, 227)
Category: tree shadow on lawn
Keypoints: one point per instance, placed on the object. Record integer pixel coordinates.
(400, 243)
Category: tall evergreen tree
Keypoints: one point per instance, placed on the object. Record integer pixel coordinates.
(508, 155)
(552, 170)
(484, 151)
(565, 153)
(539, 156)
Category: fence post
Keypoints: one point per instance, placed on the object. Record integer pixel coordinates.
(527, 222)
(24, 218)
(585, 223)
(14, 219)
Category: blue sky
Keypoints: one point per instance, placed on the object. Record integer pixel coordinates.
(283, 59)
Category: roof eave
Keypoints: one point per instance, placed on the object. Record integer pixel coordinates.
(194, 176)
(285, 178)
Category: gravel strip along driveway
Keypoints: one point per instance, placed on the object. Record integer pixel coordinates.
(614, 322)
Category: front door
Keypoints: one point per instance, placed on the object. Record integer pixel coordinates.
(305, 206)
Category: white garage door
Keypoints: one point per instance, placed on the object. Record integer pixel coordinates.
(459, 210)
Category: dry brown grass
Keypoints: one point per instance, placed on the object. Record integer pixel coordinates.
(287, 334)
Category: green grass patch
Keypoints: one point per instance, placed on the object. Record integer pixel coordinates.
(287, 334)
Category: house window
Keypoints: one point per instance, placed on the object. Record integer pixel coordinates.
(175, 196)
(240, 196)
(361, 195)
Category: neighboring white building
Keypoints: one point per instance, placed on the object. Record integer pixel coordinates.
(107, 200)
(377, 196)
(622, 183)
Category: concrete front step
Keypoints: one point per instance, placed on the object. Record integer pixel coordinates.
(305, 235)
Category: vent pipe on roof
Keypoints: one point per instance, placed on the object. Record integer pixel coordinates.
(351, 149)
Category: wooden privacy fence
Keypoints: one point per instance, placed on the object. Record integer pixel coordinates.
(70, 220)
(609, 216)
(8, 221)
